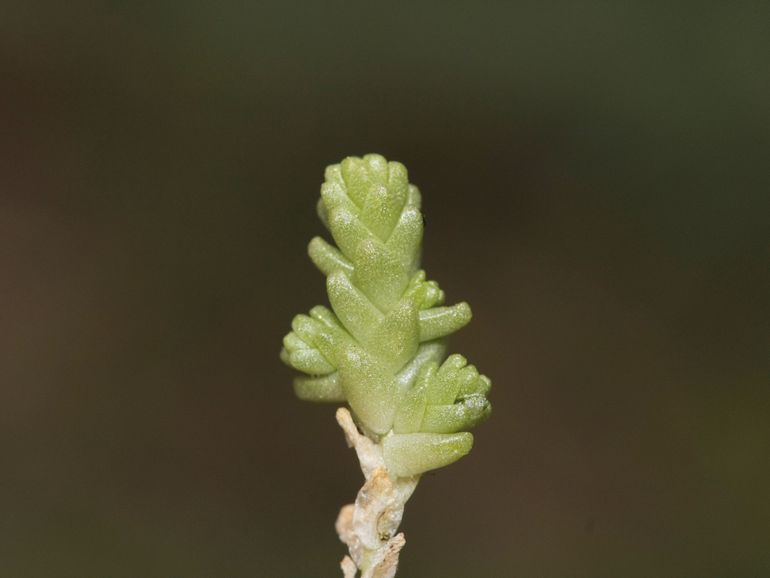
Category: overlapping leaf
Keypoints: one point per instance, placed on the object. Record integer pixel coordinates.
(380, 348)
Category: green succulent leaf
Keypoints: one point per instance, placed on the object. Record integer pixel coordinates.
(382, 346)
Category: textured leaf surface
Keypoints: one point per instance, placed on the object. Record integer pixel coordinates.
(382, 346)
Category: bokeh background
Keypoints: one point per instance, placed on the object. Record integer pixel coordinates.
(596, 182)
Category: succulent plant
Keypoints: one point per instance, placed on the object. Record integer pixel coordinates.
(382, 347)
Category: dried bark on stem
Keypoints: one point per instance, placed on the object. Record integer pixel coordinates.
(368, 527)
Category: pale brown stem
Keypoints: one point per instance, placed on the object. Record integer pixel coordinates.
(369, 526)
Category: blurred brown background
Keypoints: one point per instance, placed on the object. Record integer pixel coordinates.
(596, 185)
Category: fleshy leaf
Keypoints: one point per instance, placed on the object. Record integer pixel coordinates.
(382, 346)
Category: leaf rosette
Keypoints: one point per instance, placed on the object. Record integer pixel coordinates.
(382, 347)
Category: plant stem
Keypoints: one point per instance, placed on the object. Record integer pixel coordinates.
(368, 527)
